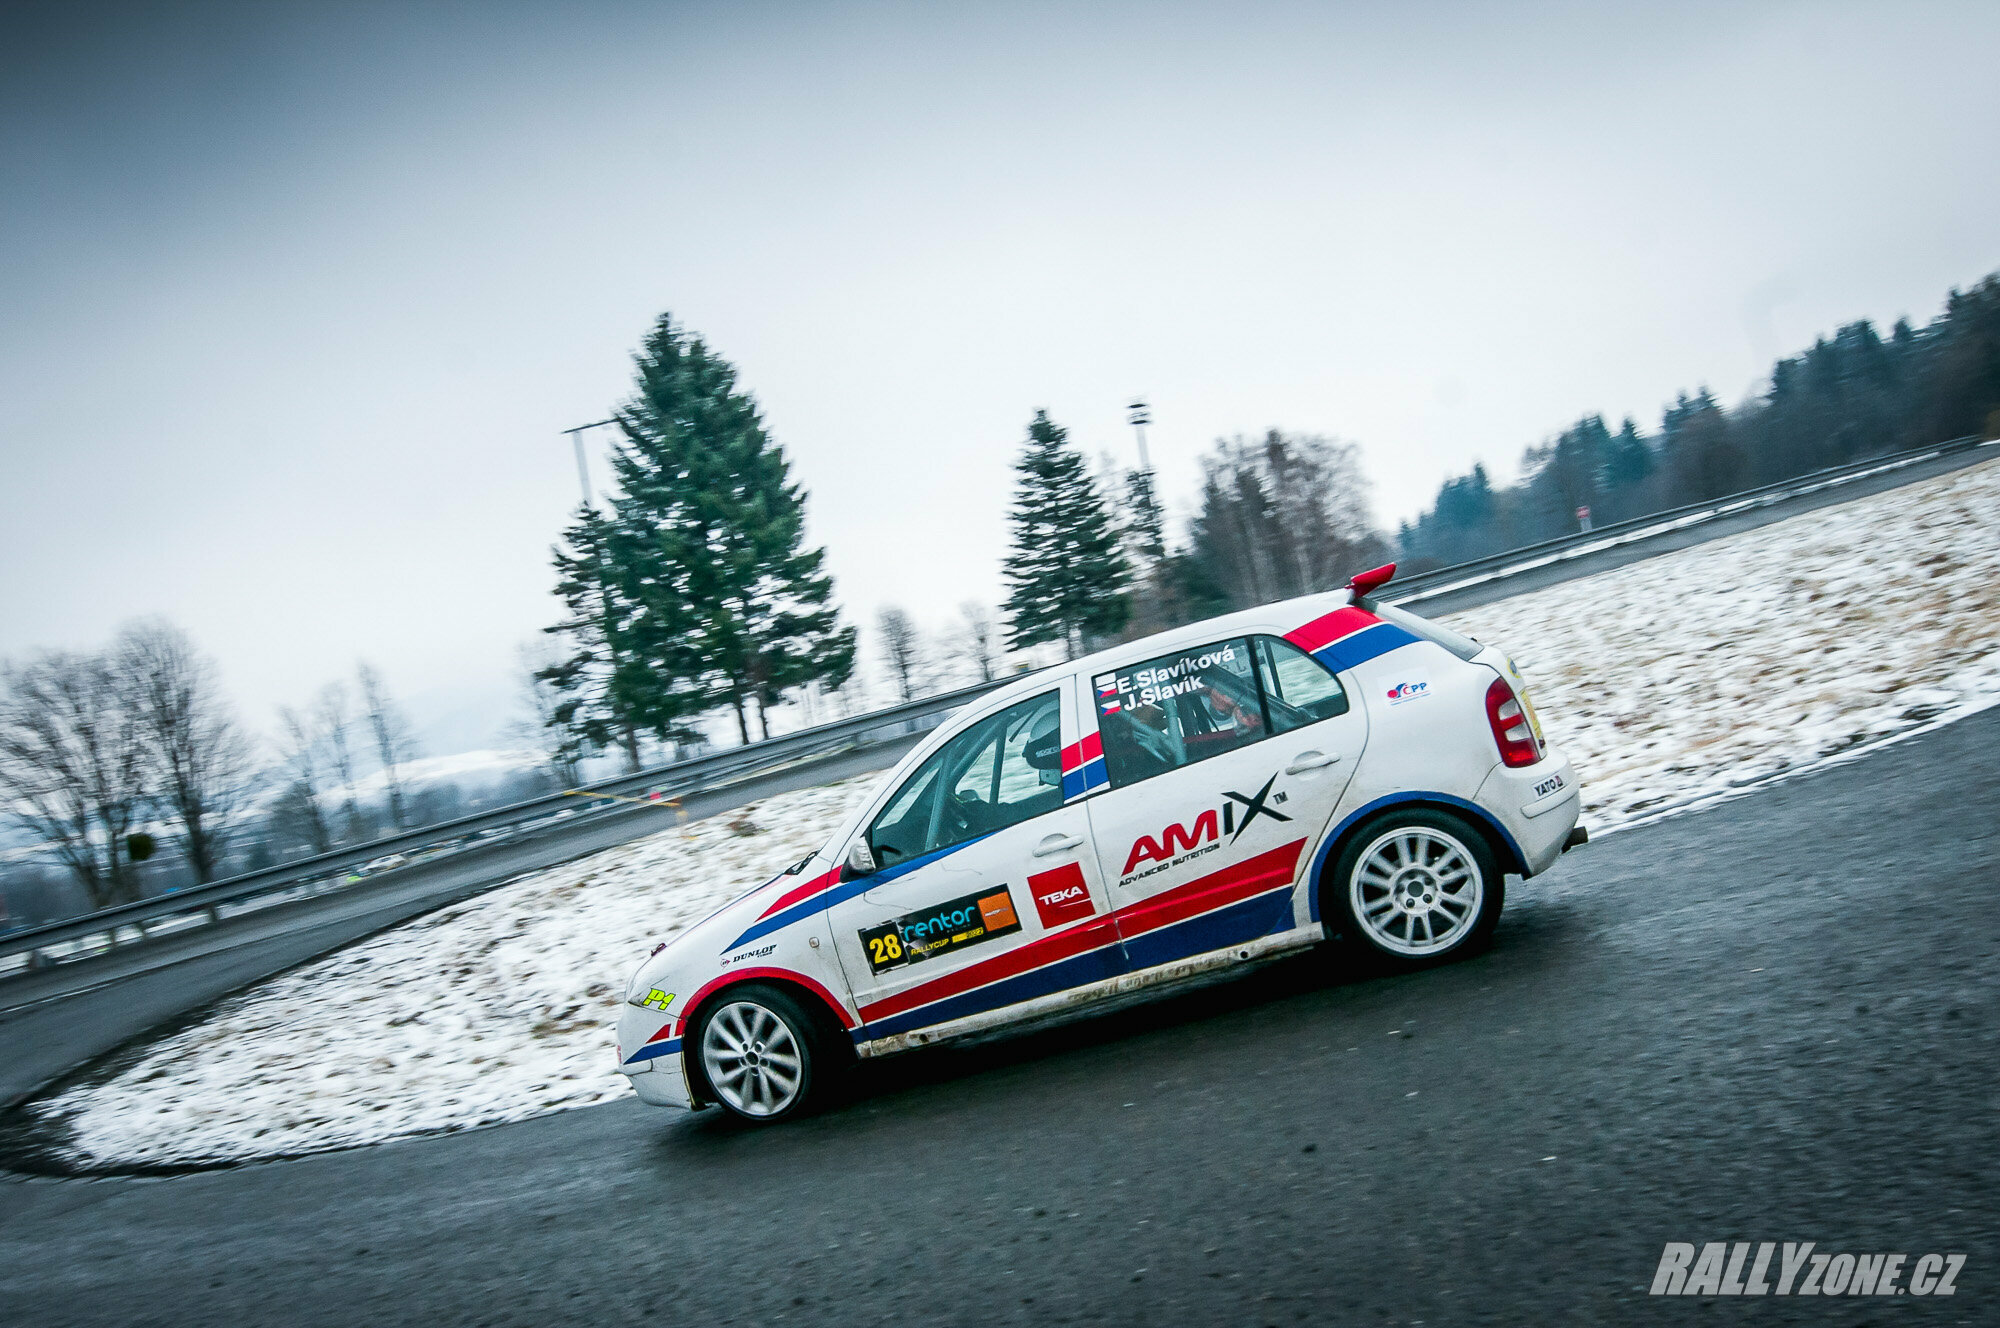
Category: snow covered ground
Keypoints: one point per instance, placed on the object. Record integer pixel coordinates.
(1669, 682)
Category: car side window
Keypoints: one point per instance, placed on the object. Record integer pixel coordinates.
(1298, 689)
(1174, 710)
(1005, 769)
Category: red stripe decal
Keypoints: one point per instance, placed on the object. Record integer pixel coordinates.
(665, 1029)
(1252, 876)
(1079, 754)
(798, 892)
(1035, 954)
(736, 975)
(1339, 623)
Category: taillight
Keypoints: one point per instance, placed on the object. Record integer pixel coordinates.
(1511, 729)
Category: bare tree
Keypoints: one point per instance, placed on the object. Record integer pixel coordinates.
(72, 766)
(197, 758)
(903, 647)
(299, 809)
(562, 749)
(980, 637)
(395, 744)
(333, 718)
(1282, 515)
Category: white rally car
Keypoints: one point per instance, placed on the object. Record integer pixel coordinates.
(1328, 767)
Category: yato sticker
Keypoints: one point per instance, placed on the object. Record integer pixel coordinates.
(935, 931)
(1061, 896)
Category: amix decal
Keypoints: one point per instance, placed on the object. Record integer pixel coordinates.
(1178, 839)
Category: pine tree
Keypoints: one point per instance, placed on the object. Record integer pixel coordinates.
(707, 544)
(595, 700)
(1066, 575)
(1629, 460)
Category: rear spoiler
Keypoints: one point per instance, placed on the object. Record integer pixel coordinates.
(1368, 582)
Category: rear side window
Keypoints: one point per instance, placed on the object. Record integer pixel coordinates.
(1175, 710)
(1423, 628)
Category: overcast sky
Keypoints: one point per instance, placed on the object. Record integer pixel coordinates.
(294, 303)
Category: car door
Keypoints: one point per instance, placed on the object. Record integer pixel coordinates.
(986, 890)
(1223, 763)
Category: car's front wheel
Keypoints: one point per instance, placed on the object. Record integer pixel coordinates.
(759, 1051)
(1414, 886)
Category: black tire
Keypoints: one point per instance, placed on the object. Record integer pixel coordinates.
(752, 1086)
(1416, 897)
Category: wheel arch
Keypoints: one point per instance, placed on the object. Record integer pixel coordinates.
(809, 992)
(1505, 850)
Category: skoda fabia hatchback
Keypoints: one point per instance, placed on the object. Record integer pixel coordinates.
(1325, 769)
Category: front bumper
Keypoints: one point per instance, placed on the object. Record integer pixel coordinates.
(655, 1064)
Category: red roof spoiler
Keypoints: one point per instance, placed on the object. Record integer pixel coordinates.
(1372, 580)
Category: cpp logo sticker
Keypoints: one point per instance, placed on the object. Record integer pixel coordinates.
(1409, 691)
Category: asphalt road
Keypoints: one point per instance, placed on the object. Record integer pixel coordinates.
(1772, 1020)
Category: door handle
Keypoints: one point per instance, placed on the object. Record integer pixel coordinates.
(1305, 761)
(1057, 844)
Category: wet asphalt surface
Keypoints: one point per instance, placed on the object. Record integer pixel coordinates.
(1773, 1020)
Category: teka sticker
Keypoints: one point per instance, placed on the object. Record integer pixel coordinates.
(1061, 896)
(1415, 690)
(935, 931)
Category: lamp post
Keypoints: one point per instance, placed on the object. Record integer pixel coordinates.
(628, 733)
(1139, 415)
(582, 467)
(1152, 530)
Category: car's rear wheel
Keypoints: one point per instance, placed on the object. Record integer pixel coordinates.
(1415, 886)
(760, 1051)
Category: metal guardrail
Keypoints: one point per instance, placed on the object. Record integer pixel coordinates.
(1519, 559)
(703, 772)
(655, 785)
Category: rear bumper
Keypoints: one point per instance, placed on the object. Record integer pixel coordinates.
(1538, 804)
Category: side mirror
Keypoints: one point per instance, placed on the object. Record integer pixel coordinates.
(860, 859)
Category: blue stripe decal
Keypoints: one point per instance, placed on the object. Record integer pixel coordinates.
(840, 893)
(1363, 646)
(1091, 774)
(1395, 799)
(1091, 966)
(1260, 915)
(671, 1047)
